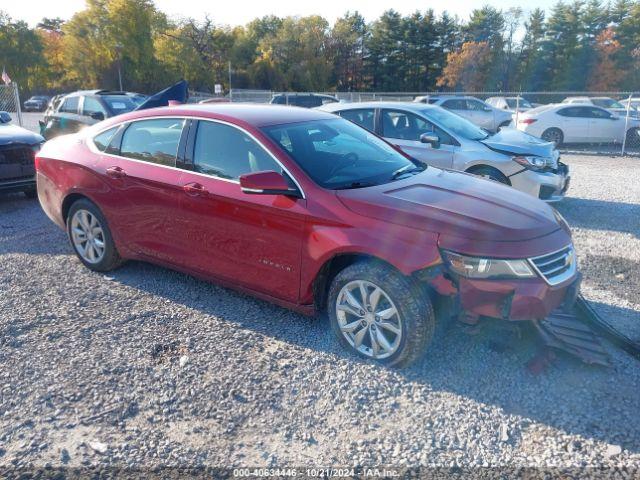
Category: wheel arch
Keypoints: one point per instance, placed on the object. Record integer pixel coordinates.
(334, 265)
(69, 200)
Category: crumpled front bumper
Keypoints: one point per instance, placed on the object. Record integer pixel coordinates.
(548, 186)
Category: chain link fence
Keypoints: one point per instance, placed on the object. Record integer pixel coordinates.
(626, 106)
(10, 102)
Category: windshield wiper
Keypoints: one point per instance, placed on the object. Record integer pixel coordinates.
(352, 185)
(406, 170)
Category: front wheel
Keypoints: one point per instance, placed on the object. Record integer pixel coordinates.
(490, 173)
(554, 135)
(633, 138)
(91, 238)
(379, 314)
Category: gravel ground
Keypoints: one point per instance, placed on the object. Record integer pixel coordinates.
(146, 367)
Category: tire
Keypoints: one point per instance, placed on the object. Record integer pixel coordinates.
(553, 135)
(105, 258)
(30, 193)
(490, 173)
(633, 138)
(414, 321)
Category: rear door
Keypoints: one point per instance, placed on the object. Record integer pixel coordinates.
(249, 240)
(459, 107)
(140, 167)
(67, 119)
(403, 128)
(481, 114)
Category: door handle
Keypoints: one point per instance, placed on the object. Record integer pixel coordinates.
(194, 189)
(116, 172)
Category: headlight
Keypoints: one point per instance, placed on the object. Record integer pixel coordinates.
(561, 221)
(533, 163)
(476, 267)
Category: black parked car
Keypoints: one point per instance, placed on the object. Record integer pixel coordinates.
(37, 103)
(307, 100)
(18, 148)
(79, 109)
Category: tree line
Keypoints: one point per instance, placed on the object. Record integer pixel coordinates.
(583, 45)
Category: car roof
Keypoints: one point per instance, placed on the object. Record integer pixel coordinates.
(256, 115)
(96, 92)
(294, 94)
(413, 106)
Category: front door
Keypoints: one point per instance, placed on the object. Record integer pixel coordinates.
(605, 127)
(481, 114)
(403, 128)
(575, 124)
(250, 240)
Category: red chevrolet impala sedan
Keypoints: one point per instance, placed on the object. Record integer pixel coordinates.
(311, 212)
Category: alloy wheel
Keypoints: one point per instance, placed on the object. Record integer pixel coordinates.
(368, 319)
(87, 236)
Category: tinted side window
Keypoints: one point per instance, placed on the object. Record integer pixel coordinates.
(408, 126)
(599, 113)
(103, 139)
(455, 104)
(571, 112)
(70, 105)
(92, 105)
(475, 105)
(363, 117)
(227, 152)
(154, 141)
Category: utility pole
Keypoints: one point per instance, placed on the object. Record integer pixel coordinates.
(230, 92)
(119, 48)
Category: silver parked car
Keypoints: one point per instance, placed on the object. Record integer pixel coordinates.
(437, 137)
(471, 108)
(510, 104)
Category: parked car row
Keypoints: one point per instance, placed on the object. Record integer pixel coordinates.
(437, 137)
(316, 213)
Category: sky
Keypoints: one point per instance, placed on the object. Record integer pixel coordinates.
(240, 12)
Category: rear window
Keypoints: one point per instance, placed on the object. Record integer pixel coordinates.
(119, 103)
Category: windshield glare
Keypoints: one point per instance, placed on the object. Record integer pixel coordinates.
(455, 123)
(338, 154)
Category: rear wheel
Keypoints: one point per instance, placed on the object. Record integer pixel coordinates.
(554, 135)
(379, 314)
(490, 173)
(633, 138)
(91, 238)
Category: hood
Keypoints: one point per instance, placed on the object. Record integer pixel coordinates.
(455, 204)
(10, 134)
(510, 140)
(178, 92)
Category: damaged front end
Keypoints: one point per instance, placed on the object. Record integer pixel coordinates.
(547, 305)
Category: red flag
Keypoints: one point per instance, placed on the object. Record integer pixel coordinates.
(5, 77)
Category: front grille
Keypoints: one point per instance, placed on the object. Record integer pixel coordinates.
(17, 156)
(556, 267)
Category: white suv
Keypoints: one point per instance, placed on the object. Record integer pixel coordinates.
(471, 108)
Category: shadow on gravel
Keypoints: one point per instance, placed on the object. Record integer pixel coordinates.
(601, 215)
(488, 366)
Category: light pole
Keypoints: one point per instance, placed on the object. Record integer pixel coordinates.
(119, 48)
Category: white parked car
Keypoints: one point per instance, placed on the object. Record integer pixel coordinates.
(579, 123)
(510, 103)
(635, 102)
(471, 108)
(603, 102)
(437, 137)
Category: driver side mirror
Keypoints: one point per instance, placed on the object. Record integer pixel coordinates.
(267, 183)
(432, 139)
(5, 117)
(97, 115)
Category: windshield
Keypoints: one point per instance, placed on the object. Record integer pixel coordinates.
(338, 154)
(455, 123)
(606, 103)
(119, 103)
(512, 102)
